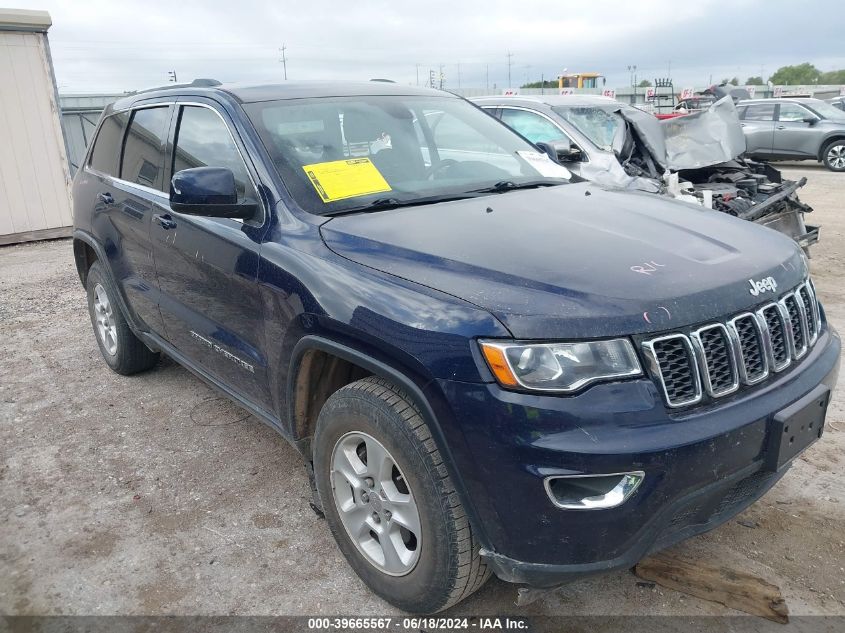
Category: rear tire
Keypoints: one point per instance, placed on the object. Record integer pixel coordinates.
(123, 352)
(833, 155)
(438, 567)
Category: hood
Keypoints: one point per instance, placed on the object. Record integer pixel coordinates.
(575, 261)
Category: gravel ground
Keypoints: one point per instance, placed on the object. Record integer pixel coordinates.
(153, 495)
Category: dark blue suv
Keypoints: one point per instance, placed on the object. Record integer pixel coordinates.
(486, 365)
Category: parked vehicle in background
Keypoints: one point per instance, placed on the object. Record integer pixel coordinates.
(837, 102)
(695, 104)
(794, 129)
(484, 366)
(619, 146)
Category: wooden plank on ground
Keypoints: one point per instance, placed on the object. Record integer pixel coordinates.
(735, 589)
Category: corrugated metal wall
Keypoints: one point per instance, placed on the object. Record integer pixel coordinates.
(34, 180)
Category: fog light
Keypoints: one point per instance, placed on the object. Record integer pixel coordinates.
(592, 492)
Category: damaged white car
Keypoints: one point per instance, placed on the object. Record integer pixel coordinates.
(696, 158)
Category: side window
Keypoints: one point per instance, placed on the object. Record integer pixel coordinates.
(203, 140)
(142, 158)
(792, 112)
(760, 112)
(533, 126)
(106, 150)
(740, 111)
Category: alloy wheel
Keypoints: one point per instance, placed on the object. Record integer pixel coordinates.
(836, 156)
(375, 504)
(104, 319)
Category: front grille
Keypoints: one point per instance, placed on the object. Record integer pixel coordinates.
(777, 335)
(675, 358)
(752, 353)
(807, 302)
(719, 357)
(718, 367)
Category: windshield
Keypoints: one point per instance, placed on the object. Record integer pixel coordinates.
(826, 110)
(600, 124)
(340, 154)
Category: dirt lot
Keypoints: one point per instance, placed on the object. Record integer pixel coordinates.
(153, 495)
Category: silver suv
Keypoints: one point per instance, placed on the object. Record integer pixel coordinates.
(794, 129)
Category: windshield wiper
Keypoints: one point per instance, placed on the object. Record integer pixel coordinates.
(509, 185)
(382, 204)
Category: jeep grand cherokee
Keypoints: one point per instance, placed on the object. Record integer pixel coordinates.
(486, 366)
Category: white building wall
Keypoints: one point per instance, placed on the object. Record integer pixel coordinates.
(34, 175)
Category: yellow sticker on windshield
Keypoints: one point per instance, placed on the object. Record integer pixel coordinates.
(341, 179)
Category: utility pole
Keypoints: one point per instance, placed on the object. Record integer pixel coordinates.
(418, 74)
(441, 76)
(284, 60)
(487, 77)
(459, 75)
(171, 76)
(510, 56)
(542, 84)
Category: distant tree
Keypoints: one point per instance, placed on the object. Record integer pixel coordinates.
(724, 82)
(735, 81)
(541, 84)
(754, 81)
(799, 74)
(645, 83)
(833, 77)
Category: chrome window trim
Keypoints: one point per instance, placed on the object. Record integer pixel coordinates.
(769, 348)
(701, 359)
(651, 357)
(733, 331)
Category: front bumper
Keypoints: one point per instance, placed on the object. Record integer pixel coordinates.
(702, 466)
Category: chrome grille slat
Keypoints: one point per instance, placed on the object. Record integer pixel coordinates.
(753, 361)
(719, 357)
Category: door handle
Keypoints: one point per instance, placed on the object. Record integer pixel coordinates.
(105, 198)
(165, 221)
(742, 125)
(781, 127)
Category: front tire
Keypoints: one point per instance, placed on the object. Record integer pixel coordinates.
(833, 155)
(123, 352)
(390, 502)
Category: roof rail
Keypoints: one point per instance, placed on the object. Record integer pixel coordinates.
(196, 83)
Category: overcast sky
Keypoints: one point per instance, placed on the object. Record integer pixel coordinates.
(119, 45)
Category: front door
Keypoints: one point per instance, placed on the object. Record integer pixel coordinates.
(207, 267)
(794, 135)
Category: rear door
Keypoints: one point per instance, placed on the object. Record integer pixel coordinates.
(758, 124)
(124, 199)
(793, 135)
(207, 267)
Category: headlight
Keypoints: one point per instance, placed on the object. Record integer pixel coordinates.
(561, 367)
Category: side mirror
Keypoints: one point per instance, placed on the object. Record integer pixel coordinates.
(812, 120)
(566, 152)
(208, 191)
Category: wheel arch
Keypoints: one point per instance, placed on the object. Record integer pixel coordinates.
(303, 407)
(836, 136)
(84, 248)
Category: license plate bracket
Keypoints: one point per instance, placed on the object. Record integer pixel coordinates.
(796, 427)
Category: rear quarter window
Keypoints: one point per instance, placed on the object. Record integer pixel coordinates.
(106, 151)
